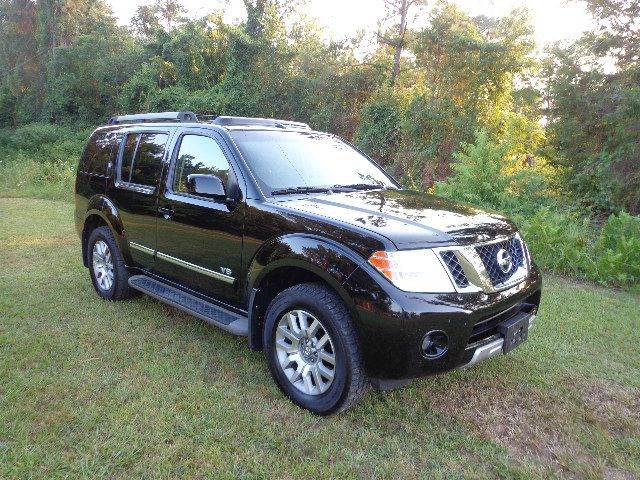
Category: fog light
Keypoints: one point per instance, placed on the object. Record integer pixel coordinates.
(435, 344)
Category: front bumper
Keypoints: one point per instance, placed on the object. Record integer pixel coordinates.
(392, 324)
(492, 347)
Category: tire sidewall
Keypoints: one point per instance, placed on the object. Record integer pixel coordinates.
(329, 401)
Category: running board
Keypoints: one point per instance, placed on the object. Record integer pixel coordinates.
(210, 313)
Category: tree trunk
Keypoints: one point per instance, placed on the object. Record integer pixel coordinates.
(399, 44)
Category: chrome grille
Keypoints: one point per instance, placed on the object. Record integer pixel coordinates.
(452, 263)
(489, 255)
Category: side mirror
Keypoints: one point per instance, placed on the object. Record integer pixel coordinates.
(205, 185)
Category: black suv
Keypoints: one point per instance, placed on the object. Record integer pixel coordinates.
(300, 242)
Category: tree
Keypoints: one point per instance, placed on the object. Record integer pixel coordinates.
(467, 71)
(395, 21)
(618, 29)
(594, 113)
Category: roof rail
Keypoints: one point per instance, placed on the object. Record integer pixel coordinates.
(260, 122)
(154, 117)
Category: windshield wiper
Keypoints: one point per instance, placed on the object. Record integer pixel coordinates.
(361, 186)
(288, 191)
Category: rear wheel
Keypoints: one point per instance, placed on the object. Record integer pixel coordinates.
(312, 349)
(106, 265)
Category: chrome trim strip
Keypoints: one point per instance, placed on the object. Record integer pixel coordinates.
(134, 187)
(484, 352)
(142, 248)
(196, 268)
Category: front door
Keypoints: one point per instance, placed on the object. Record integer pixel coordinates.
(199, 239)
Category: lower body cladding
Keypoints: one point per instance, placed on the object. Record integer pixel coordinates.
(405, 335)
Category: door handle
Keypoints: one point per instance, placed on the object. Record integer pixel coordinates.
(166, 211)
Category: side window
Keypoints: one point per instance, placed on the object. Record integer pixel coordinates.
(98, 153)
(142, 158)
(199, 154)
(148, 162)
(130, 145)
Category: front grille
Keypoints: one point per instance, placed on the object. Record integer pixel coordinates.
(452, 263)
(489, 256)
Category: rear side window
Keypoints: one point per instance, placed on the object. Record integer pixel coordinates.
(98, 153)
(130, 145)
(142, 158)
(199, 154)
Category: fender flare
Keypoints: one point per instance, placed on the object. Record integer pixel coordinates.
(101, 206)
(320, 256)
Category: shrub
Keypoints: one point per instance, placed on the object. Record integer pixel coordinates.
(40, 160)
(378, 132)
(559, 241)
(617, 251)
(484, 175)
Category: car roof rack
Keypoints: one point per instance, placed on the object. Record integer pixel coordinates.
(259, 122)
(184, 116)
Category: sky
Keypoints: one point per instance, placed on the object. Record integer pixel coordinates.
(554, 20)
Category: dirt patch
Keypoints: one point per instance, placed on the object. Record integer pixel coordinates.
(614, 407)
(545, 425)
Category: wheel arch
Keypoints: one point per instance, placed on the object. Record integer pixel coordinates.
(290, 260)
(102, 212)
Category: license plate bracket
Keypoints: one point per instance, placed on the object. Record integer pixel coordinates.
(515, 331)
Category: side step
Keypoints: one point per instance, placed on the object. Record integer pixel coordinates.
(210, 313)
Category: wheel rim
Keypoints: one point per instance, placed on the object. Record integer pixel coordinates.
(305, 352)
(102, 265)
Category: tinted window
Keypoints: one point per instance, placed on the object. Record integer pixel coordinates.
(98, 152)
(199, 154)
(127, 157)
(142, 158)
(305, 159)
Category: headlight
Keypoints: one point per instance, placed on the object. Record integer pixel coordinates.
(413, 270)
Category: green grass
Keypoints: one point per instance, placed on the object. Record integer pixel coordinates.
(93, 389)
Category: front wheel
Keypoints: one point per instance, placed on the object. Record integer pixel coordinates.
(312, 349)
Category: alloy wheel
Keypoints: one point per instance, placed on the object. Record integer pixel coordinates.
(305, 352)
(102, 265)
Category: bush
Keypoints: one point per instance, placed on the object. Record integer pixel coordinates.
(484, 175)
(378, 132)
(40, 160)
(559, 241)
(617, 251)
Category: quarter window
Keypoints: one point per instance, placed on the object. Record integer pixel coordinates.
(142, 158)
(199, 154)
(98, 153)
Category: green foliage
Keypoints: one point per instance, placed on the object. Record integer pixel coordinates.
(467, 67)
(478, 176)
(378, 132)
(595, 114)
(39, 160)
(618, 251)
(559, 241)
(485, 174)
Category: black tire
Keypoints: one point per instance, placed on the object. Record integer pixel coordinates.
(350, 381)
(120, 289)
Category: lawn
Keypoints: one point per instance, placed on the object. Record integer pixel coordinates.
(92, 389)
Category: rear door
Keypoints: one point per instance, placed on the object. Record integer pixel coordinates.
(200, 239)
(135, 191)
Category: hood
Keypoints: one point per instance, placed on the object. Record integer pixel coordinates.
(409, 219)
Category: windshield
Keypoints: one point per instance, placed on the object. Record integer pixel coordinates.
(285, 161)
